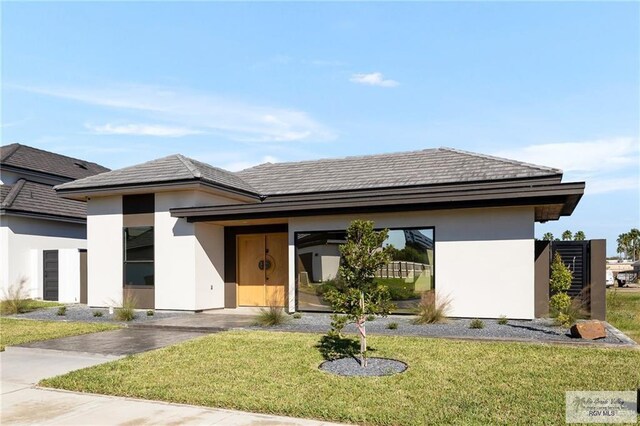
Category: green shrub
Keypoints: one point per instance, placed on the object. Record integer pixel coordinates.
(561, 276)
(127, 311)
(371, 318)
(559, 303)
(392, 325)
(430, 311)
(273, 315)
(297, 315)
(150, 313)
(62, 311)
(97, 313)
(503, 320)
(15, 299)
(476, 323)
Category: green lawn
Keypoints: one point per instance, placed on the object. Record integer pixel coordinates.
(623, 312)
(448, 382)
(16, 331)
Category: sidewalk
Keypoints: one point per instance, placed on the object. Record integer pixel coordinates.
(25, 404)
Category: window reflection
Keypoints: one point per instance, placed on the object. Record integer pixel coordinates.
(409, 274)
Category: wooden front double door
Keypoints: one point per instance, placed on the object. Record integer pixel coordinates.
(263, 269)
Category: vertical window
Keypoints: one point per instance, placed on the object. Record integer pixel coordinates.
(138, 256)
(408, 276)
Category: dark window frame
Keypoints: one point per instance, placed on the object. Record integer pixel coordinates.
(126, 262)
(295, 256)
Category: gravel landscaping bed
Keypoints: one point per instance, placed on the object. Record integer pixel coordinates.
(537, 330)
(83, 313)
(375, 367)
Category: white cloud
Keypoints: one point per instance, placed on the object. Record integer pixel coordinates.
(373, 79)
(606, 165)
(204, 113)
(603, 186)
(580, 156)
(141, 130)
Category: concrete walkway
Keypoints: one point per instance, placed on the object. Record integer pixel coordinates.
(25, 404)
(126, 341)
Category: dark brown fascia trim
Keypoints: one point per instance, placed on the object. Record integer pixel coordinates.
(104, 190)
(44, 216)
(448, 187)
(567, 194)
(38, 174)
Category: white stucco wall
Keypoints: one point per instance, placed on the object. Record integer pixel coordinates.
(104, 251)
(22, 242)
(484, 258)
(189, 258)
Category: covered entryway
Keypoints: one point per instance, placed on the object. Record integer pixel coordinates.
(50, 275)
(262, 269)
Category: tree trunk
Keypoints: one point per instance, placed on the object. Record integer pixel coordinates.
(363, 333)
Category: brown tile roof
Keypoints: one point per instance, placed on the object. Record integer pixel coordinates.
(38, 198)
(173, 168)
(417, 168)
(26, 157)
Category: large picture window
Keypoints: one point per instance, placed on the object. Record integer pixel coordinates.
(138, 256)
(408, 276)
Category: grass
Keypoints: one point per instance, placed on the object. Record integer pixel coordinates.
(448, 382)
(623, 312)
(430, 310)
(270, 316)
(16, 331)
(7, 307)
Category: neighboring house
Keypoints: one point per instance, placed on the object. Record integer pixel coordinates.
(223, 239)
(41, 234)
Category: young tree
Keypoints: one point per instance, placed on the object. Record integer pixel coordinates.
(567, 235)
(559, 283)
(579, 236)
(358, 295)
(548, 236)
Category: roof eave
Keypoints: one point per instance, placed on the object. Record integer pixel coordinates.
(136, 188)
(563, 195)
(45, 216)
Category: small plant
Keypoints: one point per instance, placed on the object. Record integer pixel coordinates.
(559, 283)
(502, 320)
(127, 311)
(476, 323)
(297, 315)
(62, 311)
(270, 316)
(371, 317)
(430, 310)
(97, 313)
(15, 299)
(392, 326)
(150, 313)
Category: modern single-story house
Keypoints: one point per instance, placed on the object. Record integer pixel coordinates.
(180, 234)
(42, 236)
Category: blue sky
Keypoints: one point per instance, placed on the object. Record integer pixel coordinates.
(237, 84)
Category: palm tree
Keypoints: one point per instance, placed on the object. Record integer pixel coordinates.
(579, 236)
(567, 235)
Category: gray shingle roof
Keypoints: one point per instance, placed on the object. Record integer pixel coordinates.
(26, 157)
(163, 170)
(416, 168)
(426, 167)
(39, 198)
